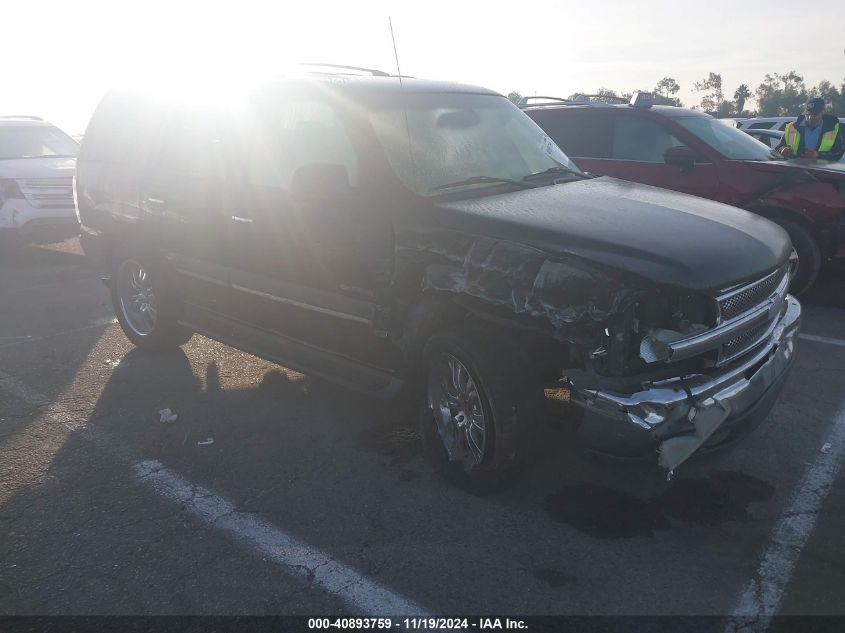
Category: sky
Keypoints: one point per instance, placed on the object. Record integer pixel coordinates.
(61, 56)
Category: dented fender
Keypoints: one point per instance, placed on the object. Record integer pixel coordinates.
(561, 291)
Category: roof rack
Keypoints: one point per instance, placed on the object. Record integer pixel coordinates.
(581, 98)
(371, 71)
(21, 116)
(525, 101)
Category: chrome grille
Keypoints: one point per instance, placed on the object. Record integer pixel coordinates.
(737, 302)
(48, 193)
(744, 302)
(747, 316)
(746, 340)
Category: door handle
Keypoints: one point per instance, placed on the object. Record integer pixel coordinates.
(241, 219)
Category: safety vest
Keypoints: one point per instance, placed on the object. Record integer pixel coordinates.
(793, 138)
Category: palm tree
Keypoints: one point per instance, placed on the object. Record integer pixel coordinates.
(742, 93)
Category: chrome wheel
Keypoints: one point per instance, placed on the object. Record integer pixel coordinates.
(137, 299)
(455, 403)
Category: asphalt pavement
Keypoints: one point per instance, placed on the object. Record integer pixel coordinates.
(274, 493)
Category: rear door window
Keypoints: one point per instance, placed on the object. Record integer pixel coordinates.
(640, 139)
(297, 132)
(193, 143)
(580, 134)
(123, 131)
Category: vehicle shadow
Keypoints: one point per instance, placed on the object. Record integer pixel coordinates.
(342, 472)
(829, 289)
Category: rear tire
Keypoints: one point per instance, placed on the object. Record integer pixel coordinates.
(482, 407)
(145, 304)
(809, 256)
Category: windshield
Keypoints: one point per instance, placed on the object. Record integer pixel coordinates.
(466, 140)
(35, 141)
(728, 141)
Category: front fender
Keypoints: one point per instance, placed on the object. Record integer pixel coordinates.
(563, 291)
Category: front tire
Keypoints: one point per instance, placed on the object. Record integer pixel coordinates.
(145, 306)
(482, 406)
(809, 256)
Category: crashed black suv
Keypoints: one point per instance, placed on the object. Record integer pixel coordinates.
(384, 234)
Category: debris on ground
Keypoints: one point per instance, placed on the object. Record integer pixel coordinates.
(166, 416)
(207, 442)
(826, 447)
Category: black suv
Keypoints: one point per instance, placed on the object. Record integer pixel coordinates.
(382, 233)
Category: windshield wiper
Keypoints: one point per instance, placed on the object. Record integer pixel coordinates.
(483, 179)
(560, 169)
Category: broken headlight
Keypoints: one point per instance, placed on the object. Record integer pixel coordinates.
(667, 318)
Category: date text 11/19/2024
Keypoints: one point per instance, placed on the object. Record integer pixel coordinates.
(418, 624)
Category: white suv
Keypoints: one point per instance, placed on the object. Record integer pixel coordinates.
(37, 164)
(769, 123)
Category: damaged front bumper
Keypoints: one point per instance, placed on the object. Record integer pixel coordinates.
(680, 416)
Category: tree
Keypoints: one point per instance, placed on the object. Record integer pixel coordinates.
(741, 95)
(667, 87)
(606, 92)
(602, 95)
(725, 109)
(664, 90)
(781, 95)
(514, 97)
(712, 89)
(831, 95)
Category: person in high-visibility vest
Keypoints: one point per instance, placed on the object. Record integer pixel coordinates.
(813, 134)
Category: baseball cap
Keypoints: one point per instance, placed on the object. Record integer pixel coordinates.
(814, 106)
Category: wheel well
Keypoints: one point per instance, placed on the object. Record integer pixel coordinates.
(435, 312)
(822, 239)
(779, 213)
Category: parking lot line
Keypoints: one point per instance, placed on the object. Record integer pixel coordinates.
(822, 339)
(362, 595)
(20, 340)
(762, 595)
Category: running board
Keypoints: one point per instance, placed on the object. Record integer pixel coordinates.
(288, 352)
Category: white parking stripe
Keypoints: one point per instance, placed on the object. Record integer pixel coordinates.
(762, 596)
(822, 339)
(32, 339)
(362, 595)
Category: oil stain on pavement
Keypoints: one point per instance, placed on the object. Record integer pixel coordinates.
(606, 513)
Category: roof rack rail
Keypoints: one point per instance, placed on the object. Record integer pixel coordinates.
(371, 71)
(580, 97)
(525, 101)
(21, 116)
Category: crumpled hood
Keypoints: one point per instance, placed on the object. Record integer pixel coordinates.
(58, 167)
(666, 237)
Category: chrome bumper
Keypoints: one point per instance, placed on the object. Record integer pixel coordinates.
(677, 416)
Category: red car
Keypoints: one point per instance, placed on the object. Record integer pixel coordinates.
(691, 152)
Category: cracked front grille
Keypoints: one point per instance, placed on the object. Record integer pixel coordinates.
(741, 301)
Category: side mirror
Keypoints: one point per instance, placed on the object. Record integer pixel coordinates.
(320, 181)
(680, 156)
